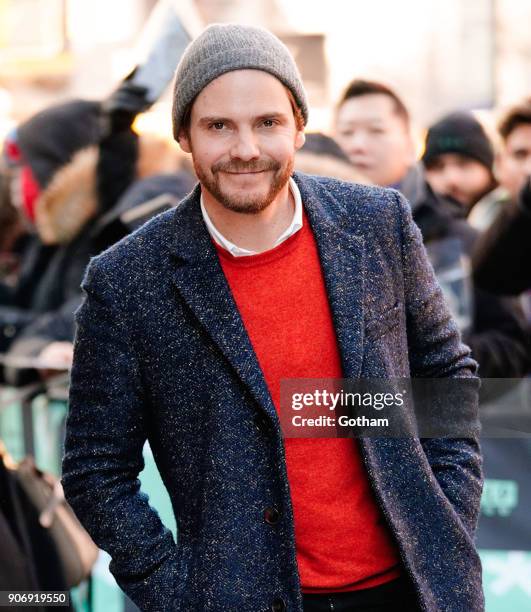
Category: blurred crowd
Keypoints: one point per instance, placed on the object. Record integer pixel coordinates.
(75, 178)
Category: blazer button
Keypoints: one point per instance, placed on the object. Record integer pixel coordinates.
(271, 515)
(278, 605)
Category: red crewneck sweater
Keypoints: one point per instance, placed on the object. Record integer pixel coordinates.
(342, 541)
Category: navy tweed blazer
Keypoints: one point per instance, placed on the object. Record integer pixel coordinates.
(161, 354)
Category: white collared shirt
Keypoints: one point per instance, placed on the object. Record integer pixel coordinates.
(236, 251)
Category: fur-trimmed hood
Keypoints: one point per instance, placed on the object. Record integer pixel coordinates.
(70, 200)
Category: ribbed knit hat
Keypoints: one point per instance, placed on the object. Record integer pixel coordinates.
(222, 48)
(459, 133)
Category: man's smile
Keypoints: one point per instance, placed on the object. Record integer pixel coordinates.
(249, 172)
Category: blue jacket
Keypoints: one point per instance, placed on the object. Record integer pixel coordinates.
(161, 353)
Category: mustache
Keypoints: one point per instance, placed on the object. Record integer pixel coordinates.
(257, 165)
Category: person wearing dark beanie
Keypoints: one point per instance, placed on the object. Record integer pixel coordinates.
(459, 158)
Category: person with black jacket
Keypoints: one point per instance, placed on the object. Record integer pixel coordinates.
(372, 126)
(42, 146)
(78, 212)
(502, 257)
(506, 246)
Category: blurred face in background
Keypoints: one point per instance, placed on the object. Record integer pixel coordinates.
(460, 177)
(375, 138)
(513, 163)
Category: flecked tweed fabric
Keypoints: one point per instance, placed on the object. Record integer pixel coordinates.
(161, 352)
(221, 48)
(282, 299)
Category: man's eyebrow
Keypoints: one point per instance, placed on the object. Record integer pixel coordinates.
(216, 118)
(213, 119)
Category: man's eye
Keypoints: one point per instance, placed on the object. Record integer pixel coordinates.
(268, 123)
(217, 125)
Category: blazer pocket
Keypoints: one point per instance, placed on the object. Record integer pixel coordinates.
(382, 322)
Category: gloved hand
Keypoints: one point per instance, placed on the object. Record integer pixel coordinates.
(123, 105)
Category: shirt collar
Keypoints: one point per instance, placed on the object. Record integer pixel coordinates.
(236, 251)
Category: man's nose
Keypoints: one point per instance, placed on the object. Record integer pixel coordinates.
(245, 146)
(357, 142)
(451, 177)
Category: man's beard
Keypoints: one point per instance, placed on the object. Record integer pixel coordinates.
(245, 203)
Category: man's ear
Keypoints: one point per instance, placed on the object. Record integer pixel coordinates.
(184, 141)
(300, 139)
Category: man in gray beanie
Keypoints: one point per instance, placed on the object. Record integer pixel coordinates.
(225, 48)
(190, 324)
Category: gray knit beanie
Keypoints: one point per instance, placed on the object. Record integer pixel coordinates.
(221, 48)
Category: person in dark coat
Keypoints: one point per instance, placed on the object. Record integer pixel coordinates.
(190, 323)
(42, 146)
(76, 217)
(144, 199)
(372, 126)
(54, 329)
(502, 258)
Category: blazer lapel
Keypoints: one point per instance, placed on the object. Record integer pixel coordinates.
(200, 280)
(342, 254)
